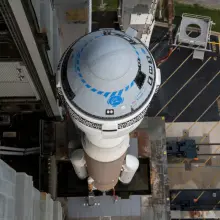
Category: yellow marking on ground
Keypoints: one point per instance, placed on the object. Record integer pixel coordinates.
(183, 86)
(176, 196)
(175, 71)
(193, 100)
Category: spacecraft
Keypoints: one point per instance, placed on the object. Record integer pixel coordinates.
(106, 81)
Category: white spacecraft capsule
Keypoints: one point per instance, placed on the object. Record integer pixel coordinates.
(107, 80)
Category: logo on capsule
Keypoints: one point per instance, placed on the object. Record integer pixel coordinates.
(116, 100)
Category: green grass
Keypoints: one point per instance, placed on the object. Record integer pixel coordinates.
(181, 8)
(111, 5)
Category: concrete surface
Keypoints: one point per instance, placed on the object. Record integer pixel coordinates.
(195, 215)
(127, 9)
(200, 175)
(105, 206)
(156, 206)
(182, 79)
(198, 129)
(70, 31)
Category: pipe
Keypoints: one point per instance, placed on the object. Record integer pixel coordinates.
(120, 14)
(11, 153)
(18, 149)
(32, 152)
(208, 154)
(17, 153)
(170, 20)
(11, 148)
(32, 149)
(89, 16)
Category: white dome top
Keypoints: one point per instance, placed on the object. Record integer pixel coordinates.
(108, 76)
(103, 62)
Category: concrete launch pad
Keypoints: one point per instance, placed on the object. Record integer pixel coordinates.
(150, 185)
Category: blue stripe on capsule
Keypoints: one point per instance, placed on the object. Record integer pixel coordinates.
(106, 94)
(126, 88)
(93, 90)
(113, 94)
(120, 92)
(143, 51)
(100, 92)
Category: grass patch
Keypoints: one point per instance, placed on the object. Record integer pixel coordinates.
(111, 5)
(181, 8)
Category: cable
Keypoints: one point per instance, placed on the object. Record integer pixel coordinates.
(114, 195)
(158, 40)
(169, 53)
(163, 59)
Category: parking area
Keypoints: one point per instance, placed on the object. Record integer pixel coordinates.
(190, 88)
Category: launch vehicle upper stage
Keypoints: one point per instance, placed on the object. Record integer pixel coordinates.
(107, 80)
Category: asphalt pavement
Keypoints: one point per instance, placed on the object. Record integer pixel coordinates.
(182, 96)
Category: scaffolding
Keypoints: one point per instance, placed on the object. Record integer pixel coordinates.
(199, 43)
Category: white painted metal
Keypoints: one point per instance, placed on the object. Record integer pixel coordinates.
(79, 163)
(134, 99)
(57, 211)
(15, 81)
(149, 23)
(46, 207)
(198, 44)
(131, 32)
(28, 37)
(7, 191)
(129, 169)
(36, 204)
(145, 38)
(100, 64)
(47, 21)
(89, 16)
(137, 19)
(24, 196)
(19, 200)
(106, 154)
